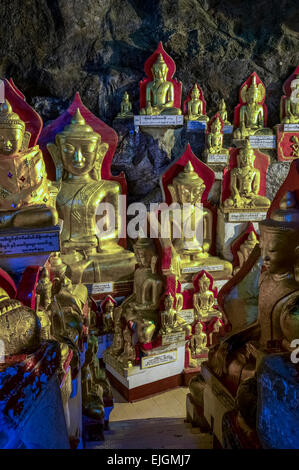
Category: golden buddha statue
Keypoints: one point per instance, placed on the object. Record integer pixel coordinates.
(215, 139)
(291, 105)
(125, 107)
(108, 316)
(187, 188)
(117, 346)
(198, 342)
(195, 106)
(223, 112)
(252, 112)
(25, 199)
(245, 183)
(204, 300)
(169, 322)
(160, 92)
(245, 250)
(90, 256)
(145, 330)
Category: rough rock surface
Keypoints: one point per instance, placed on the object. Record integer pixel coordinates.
(53, 48)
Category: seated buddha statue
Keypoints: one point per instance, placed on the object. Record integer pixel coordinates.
(148, 285)
(291, 104)
(169, 322)
(223, 112)
(89, 255)
(187, 189)
(160, 92)
(195, 106)
(215, 139)
(204, 300)
(128, 356)
(236, 358)
(25, 199)
(252, 119)
(108, 316)
(245, 183)
(125, 107)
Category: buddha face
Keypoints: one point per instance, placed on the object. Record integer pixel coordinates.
(144, 256)
(189, 194)
(216, 126)
(109, 307)
(252, 94)
(11, 140)
(78, 154)
(195, 93)
(204, 283)
(246, 157)
(160, 70)
(198, 328)
(278, 251)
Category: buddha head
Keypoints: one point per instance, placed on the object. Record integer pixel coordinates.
(12, 131)
(279, 238)
(81, 149)
(168, 302)
(216, 126)
(109, 306)
(246, 156)
(222, 105)
(145, 251)
(189, 187)
(198, 328)
(195, 93)
(160, 69)
(126, 97)
(204, 283)
(253, 92)
(295, 83)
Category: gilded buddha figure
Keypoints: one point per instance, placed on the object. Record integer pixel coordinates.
(187, 189)
(25, 199)
(204, 300)
(198, 342)
(245, 183)
(195, 106)
(125, 107)
(89, 255)
(169, 322)
(237, 357)
(215, 138)
(223, 112)
(160, 92)
(252, 119)
(291, 104)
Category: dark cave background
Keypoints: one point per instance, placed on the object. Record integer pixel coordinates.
(53, 48)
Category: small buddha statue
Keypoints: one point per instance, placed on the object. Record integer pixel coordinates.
(204, 300)
(117, 346)
(125, 107)
(108, 316)
(236, 358)
(160, 92)
(195, 106)
(215, 139)
(291, 105)
(169, 322)
(245, 250)
(252, 112)
(128, 356)
(44, 288)
(20, 329)
(145, 330)
(198, 342)
(223, 112)
(25, 200)
(245, 183)
(90, 256)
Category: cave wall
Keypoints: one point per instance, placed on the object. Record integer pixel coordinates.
(53, 48)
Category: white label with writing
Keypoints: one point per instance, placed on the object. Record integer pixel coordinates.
(30, 242)
(158, 359)
(196, 269)
(158, 120)
(175, 337)
(246, 216)
(217, 158)
(100, 287)
(196, 125)
(186, 285)
(187, 314)
(263, 141)
(291, 127)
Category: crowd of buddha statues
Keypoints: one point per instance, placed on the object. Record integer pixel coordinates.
(154, 294)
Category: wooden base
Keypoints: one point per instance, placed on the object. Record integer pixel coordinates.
(147, 390)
